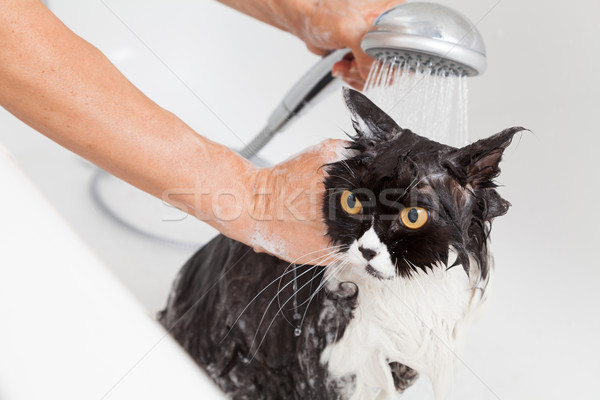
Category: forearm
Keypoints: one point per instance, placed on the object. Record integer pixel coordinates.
(68, 90)
(282, 14)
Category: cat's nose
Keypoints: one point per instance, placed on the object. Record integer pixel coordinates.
(368, 254)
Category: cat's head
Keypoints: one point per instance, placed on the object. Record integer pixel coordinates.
(401, 203)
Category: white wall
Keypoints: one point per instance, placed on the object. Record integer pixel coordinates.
(223, 73)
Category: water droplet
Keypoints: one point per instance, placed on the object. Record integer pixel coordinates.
(297, 331)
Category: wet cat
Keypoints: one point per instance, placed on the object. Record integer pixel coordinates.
(409, 221)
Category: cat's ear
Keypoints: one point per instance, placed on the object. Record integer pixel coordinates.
(369, 121)
(477, 164)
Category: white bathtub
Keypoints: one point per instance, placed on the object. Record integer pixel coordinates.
(540, 334)
(70, 330)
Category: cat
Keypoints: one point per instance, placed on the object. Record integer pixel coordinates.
(409, 222)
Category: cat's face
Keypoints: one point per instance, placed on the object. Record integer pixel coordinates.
(402, 202)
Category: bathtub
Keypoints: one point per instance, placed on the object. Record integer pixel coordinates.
(70, 329)
(78, 301)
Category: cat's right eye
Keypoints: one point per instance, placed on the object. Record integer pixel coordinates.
(350, 203)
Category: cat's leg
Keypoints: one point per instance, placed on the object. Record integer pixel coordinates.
(403, 376)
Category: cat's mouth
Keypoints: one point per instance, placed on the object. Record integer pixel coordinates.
(373, 272)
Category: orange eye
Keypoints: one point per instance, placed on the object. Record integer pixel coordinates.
(414, 217)
(350, 203)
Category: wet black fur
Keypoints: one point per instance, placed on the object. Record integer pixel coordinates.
(222, 278)
(213, 288)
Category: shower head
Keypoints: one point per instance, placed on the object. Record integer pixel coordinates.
(426, 34)
(412, 34)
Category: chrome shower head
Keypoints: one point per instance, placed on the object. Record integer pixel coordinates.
(426, 34)
(413, 34)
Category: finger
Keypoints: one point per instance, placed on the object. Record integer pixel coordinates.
(316, 50)
(363, 62)
(341, 68)
(357, 84)
(259, 249)
(325, 151)
(350, 73)
(336, 150)
(333, 146)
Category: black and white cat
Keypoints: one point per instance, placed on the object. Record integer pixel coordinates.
(409, 221)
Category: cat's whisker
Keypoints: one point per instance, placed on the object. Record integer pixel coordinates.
(332, 249)
(331, 265)
(334, 192)
(310, 288)
(413, 266)
(257, 295)
(344, 163)
(323, 283)
(337, 268)
(316, 261)
(274, 318)
(412, 184)
(330, 254)
(283, 288)
(294, 306)
(327, 275)
(327, 249)
(272, 321)
(417, 269)
(344, 179)
(272, 301)
(416, 182)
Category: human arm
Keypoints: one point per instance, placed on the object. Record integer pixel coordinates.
(65, 88)
(323, 26)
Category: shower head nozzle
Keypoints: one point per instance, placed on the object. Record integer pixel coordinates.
(427, 34)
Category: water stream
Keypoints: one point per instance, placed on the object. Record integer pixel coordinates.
(428, 100)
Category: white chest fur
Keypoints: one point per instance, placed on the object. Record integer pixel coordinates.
(419, 322)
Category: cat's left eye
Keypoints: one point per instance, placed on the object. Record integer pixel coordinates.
(414, 217)
(350, 203)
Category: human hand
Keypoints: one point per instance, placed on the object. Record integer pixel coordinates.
(286, 206)
(324, 25)
(335, 24)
